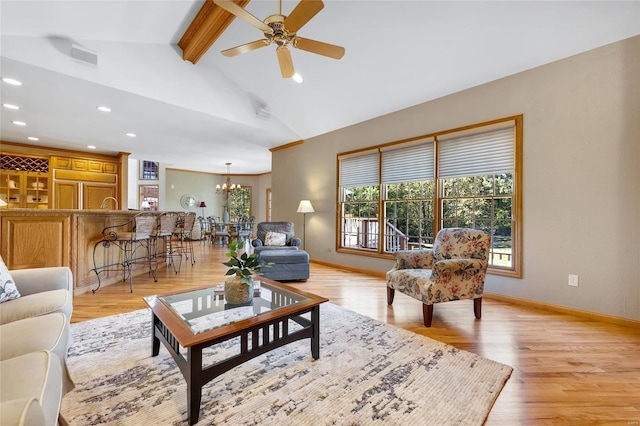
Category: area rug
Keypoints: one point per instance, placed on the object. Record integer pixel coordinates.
(368, 373)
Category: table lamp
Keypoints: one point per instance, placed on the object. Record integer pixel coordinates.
(202, 206)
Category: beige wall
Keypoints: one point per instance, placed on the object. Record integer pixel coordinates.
(581, 175)
(202, 186)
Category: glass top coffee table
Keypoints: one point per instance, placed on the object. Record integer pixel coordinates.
(191, 321)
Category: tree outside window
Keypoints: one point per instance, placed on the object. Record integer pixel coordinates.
(359, 228)
(407, 199)
(409, 215)
(240, 203)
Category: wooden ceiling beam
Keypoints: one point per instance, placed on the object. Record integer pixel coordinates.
(208, 25)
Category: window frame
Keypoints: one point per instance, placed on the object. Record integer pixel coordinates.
(268, 200)
(149, 170)
(151, 194)
(516, 268)
(235, 209)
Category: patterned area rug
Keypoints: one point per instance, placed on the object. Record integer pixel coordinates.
(368, 373)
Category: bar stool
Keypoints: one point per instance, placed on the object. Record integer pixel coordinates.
(165, 227)
(129, 238)
(183, 234)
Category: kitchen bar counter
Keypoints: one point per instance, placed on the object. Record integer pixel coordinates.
(33, 238)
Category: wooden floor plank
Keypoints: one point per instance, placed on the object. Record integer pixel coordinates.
(567, 370)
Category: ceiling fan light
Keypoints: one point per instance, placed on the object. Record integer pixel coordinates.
(297, 78)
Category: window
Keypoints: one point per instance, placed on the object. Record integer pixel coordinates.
(148, 199)
(149, 170)
(476, 172)
(268, 204)
(408, 194)
(240, 203)
(359, 196)
(458, 178)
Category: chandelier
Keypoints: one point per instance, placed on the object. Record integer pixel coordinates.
(227, 185)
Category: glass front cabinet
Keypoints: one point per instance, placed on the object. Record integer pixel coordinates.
(27, 187)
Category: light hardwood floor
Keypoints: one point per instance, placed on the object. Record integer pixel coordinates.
(567, 370)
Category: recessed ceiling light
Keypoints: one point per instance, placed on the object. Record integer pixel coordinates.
(33, 138)
(12, 81)
(91, 147)
(19, 123)
(131, 135)
(104, 108)
(297, 78)
(11, 106)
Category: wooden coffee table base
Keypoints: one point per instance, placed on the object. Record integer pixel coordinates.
(275, 333)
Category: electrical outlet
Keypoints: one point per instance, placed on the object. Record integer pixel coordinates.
(573, 280)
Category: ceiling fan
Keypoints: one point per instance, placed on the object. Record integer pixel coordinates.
(281, 30)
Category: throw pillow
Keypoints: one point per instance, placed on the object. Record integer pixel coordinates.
(275, 239)
(8, 289)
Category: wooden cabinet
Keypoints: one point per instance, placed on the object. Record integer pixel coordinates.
(59, 182)
(33, 239)
(84, 165)
(93, 194)
(61, 163)
(110, 168)
(84, 195)
(82, 183)
(66, 195)
(25, 189)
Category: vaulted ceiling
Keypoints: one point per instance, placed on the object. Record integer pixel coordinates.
(200, 116)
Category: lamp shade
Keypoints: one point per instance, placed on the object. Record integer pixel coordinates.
(305, 207)
(202, 204)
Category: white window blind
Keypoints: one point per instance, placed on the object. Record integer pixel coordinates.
(481, 153)
(409, 163)
(360, 170)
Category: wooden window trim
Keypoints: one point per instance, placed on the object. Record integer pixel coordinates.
(516, 270)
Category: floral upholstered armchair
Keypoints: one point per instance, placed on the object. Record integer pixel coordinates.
(453, 270)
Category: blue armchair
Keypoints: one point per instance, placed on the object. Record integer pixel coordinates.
(267, 237)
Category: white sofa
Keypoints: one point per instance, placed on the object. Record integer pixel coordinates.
(35, 336)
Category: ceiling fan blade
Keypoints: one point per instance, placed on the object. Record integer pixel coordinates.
(238, 11)
(318, 47)
(247, 47)
(303, 12)
(285, 61)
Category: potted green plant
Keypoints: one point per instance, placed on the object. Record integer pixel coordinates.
(239, 285)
